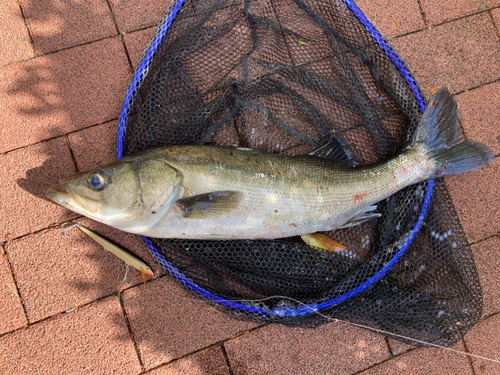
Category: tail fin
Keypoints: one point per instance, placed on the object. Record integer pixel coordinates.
(439, 132)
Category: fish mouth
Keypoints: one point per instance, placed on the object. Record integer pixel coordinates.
(77, 203)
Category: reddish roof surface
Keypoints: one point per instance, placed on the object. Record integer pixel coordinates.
(64, 308)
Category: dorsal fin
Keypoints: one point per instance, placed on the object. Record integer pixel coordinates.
(334, 151)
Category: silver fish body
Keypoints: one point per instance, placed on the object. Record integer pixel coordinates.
(277, 196)
(209, 192)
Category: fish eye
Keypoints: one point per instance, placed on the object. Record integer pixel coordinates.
(97, 180)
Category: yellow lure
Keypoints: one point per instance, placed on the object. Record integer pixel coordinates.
(120, 252)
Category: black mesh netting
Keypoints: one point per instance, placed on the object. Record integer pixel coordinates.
(288, 76)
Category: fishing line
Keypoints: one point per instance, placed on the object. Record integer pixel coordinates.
(65, 230)
(11, 289)
(338, 320)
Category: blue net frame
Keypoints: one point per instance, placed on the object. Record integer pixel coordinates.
(278, 311)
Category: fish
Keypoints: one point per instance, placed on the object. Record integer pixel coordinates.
(224, 193)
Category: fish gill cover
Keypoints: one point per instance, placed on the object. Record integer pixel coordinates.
(287, 77)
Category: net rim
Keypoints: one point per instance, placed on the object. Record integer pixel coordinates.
(139, 75)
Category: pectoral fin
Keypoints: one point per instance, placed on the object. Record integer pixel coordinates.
(210, 205)
(322, 241)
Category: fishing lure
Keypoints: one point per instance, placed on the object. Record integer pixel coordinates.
(120, 252)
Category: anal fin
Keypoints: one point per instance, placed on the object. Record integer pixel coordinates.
(209, 205)
(366, 215)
